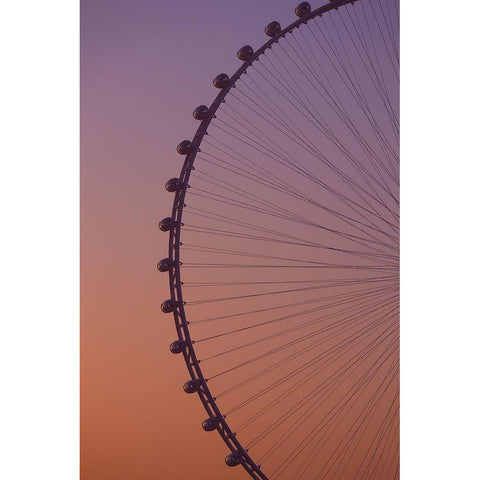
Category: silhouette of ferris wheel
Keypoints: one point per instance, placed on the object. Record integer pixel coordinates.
(284, 249)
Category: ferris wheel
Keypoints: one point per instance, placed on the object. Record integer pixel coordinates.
(283, 255)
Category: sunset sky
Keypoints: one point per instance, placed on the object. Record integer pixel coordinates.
(142, 62)
(145, 65)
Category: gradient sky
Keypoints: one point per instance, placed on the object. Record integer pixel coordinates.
(145, 65)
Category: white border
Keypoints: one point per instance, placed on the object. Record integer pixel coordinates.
(39, 254)
(39, 240)
(440, 86)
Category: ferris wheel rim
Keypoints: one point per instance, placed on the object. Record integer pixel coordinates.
(198, 382)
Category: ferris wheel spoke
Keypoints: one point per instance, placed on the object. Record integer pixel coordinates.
(283, 306)
(389, 28)
(296, 329)
(372, 73)
(353, 87)
(272, 148)
(349, 296)
(379, 440)
(284, 249)
(339, 459)
(297, 406)
(307, 174)
(254, 208)
(305, 141)
(341, 323)
(337, 105)
(365, 242)
(329, 421)
(387, 468)
(277, 292)
(311, 370)
(365, 420)
(341, 114)
(279, 237)
(310, 146)
(365, 416)
(333, 352)
(345, 218)
(326, 388)
(375, 73)
(250, 255)
(353, 84)
(373, 226)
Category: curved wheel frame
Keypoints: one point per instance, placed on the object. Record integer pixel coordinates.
(240, 454)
